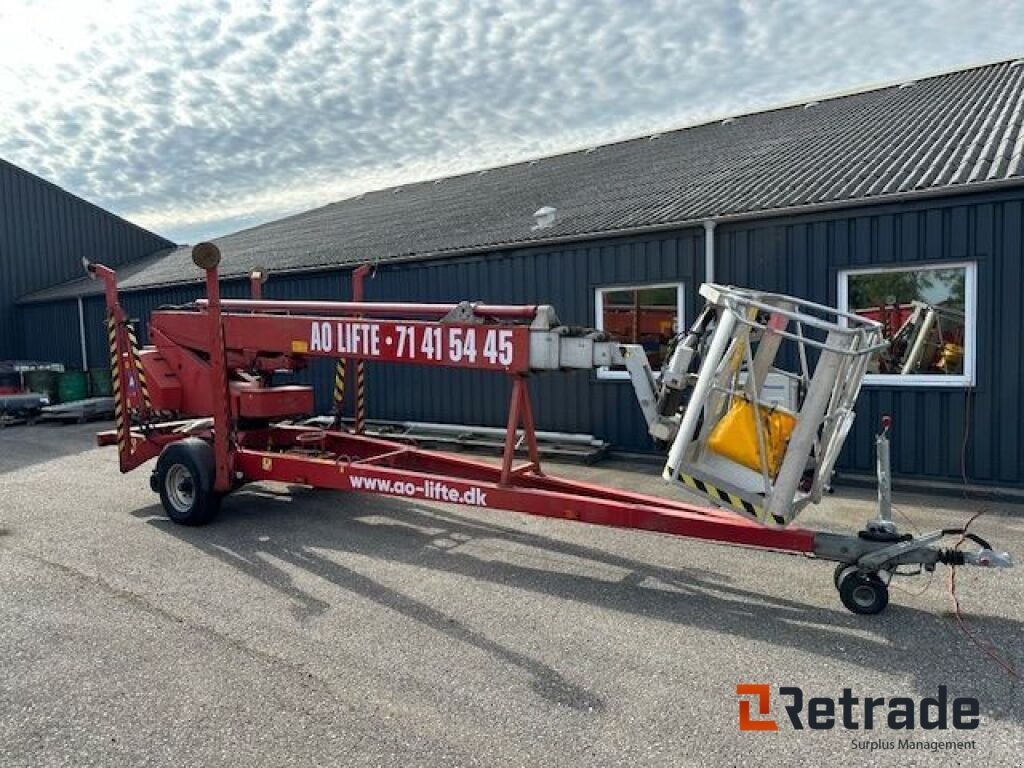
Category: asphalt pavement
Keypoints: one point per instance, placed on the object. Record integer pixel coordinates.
(306, 627)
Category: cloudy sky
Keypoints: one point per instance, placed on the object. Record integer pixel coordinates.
(200, 118)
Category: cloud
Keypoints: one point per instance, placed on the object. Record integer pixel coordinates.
(195, 118)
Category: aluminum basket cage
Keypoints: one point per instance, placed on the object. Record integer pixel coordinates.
(749, 332)
(802, 312)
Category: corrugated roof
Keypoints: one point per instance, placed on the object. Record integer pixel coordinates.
(952, 131)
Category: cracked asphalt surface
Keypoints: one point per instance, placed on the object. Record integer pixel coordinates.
(315, 628)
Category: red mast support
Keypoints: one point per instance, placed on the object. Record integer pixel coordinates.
(207, 256)
(358, 276)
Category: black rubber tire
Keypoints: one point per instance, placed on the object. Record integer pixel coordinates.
(863, 593)
(837, 575)
(184, 479)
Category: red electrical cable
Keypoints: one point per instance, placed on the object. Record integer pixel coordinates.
(983, 645)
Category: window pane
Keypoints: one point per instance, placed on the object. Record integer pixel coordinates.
(645, 316)
(922, 314)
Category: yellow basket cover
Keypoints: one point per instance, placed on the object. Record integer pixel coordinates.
(735, 436)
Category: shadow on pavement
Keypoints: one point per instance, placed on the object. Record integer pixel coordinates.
(23, 446)
(257, 522)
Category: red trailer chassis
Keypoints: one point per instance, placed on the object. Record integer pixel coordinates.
(200, 397)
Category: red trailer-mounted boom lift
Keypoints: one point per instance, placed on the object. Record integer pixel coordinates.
(757, 441)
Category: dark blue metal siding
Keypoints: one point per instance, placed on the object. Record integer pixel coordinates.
(804, 256)
(44, 233)
(51, 332)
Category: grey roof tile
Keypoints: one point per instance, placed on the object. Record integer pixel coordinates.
(941, 132)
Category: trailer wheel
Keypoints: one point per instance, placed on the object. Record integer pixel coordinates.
(837, 575)
(863, 593)
(184, 479)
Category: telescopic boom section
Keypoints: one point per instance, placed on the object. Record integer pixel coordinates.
(376, 309)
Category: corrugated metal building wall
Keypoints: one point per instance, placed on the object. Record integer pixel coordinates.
(44, 233)
(800, 255)
(804, 255)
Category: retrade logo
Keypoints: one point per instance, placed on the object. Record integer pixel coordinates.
(897, 713)
(762, 694)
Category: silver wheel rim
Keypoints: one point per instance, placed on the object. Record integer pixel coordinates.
(864, 595)
(181, 490)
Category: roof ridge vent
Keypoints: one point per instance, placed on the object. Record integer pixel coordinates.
(396, 190)
(589, 150)
(908, 84)
(533, 162)
(728, 120)
(482, 173)
(811, 104)
(544, 217)
(1016, 63)
(654, 137)
(437, 181)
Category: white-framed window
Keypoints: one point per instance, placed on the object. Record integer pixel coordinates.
(929, 317)
(649, 315)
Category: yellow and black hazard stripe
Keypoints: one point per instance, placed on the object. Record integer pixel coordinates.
(734, 501)
(339, 385)
(360, 396)
(719, 495)
(115, 385)
(133, 342)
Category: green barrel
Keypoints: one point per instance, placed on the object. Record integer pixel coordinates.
(72, 386)
(43, 382)
(100, 380)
